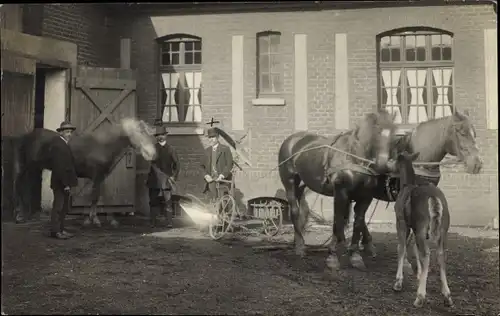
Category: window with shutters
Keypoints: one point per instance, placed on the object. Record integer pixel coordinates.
(180, 61)
(415, 74)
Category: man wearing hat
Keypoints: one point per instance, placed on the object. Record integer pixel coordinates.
(163, 173)
(63, 178)
(217, 163)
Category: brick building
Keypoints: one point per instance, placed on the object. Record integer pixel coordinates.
(269, 71)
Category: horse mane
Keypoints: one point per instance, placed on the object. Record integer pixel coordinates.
(115, 130)
(360, 138)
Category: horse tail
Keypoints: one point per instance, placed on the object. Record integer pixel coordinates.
(435, 207)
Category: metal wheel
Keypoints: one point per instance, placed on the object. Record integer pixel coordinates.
(225, 211)
(272, 225)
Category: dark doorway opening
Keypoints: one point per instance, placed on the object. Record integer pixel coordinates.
(39, 97)
(40, 78)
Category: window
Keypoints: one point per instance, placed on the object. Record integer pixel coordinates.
(180, 77)
(416, 74)
(269, 67)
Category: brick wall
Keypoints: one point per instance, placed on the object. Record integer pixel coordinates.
(97, 36)
(86, 25)
(473, 198)
(11, 17)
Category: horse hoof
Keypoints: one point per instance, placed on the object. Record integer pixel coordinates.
(370, 250)
(398, 286)
(86, 222)
(333, 263)
(300, 253)
(448, 301)
(96, 221)
(419, 301)
(357, 262)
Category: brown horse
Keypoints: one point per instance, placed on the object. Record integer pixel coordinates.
(94, 154)
(423, 210)
(340, 167)
(433, 140)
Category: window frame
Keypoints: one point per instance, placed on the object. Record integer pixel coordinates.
(262, 94)
(181, 69)
(403, 66)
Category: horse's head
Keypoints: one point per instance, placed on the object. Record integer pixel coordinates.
(374, 135)
(403, 165)
(139, 134)
(461, 142)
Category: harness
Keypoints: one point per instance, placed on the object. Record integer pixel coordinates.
(363, 166)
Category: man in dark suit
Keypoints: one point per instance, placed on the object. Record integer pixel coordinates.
(64, 177)
(163, 172)
(217, 164)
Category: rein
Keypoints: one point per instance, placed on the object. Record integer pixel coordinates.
(370, 162)
(449, 162)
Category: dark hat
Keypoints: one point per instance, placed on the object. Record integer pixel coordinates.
(212, 132)
(160, 130)
(66, 125)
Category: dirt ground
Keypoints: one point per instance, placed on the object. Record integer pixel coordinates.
(129, 271)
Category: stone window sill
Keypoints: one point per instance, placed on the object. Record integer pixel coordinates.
(185, 130)
(268, 102)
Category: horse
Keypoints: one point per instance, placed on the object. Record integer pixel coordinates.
(338, 167)
(94, 156)
(421, 209)
(433, 140)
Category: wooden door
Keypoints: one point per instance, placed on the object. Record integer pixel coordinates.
(18, 109)
(17, 118)
(101, 96)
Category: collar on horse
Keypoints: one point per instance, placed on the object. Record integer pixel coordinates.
(360, 167)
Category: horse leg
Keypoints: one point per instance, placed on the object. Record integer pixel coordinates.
(291, 189)
(424, 258)
(360, 219)
(441, 254)
(93, 218)
(24, 185)
(303, 208)
(20, 202)
(406, 264)
(33, 198)
(337, 248)
(402, 232)
(360, 228)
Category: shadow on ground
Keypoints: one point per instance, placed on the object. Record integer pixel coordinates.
(121, 271)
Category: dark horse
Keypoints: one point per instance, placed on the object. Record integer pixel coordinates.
(340, 167)
(433, 140)
(94, 154)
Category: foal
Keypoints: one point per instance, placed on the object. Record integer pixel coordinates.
(423, 210)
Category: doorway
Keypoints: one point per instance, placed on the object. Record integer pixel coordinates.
(36, 198)
(39, 97)
(51, 97)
